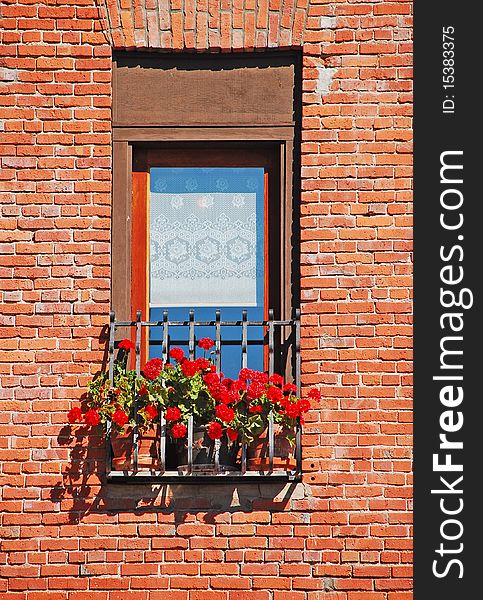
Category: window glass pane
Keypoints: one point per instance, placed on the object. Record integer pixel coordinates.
(206, 237)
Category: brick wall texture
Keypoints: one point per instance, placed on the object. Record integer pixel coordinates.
(342, 534)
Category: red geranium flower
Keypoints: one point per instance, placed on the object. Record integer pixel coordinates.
(74, 415)
(259, 377)
(276, 379)
(256, 408)
(177, 354)
(126, 345)
(225, 413)
(206, 343)
(292, 410)
(239, 385)
(314, 394)
(303, 406)
(153, 368)
(217, 390)
(151, 412)
(211, 378)
(215, 430)
(92, 417)
(245, 374)
(143, 390)
(120, 418)
(291, 388)
(178, 430)
(203, 363)
(255, 390)
(227, 397)
(173, 413)
(274, 394)
(189, 368)
(232, 434)
(234, 385)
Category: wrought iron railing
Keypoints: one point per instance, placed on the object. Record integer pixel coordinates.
(281, 343)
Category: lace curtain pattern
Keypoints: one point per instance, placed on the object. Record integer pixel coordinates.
(205, 237)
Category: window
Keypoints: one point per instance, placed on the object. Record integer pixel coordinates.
(206, 112)
(203, 212)
(205, 220)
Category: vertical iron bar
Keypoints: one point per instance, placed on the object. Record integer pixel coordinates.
(271, 366)
(244, 365)
(162, 443)
(271, 336)
(138, 371)
(244, 458)
(162, 422)
(217, 456)
(244, 341)
(298, 446)
(271, 441)
(191, 346)
(165, 335)
(190, 443)
(138, 342)
(298, 431)
(218, 341)
(112, 332)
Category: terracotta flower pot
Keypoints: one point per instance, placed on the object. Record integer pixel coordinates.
(123, 449)
(204, 452)
(283, 452)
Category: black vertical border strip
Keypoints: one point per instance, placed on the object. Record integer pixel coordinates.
(435, 132)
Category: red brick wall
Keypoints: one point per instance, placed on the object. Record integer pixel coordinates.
(344, 533)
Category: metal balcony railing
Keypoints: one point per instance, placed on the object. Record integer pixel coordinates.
(281, 343)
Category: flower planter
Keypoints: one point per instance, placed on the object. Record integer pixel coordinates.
(186, 390)
(258, 452)
(122, 445)
(204, 453)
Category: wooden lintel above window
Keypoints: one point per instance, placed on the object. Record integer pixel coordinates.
(159, 90)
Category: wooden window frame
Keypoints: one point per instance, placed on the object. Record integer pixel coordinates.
(264, 108)
(147, 156)
(127, 139)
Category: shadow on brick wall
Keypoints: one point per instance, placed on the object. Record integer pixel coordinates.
(83, 489)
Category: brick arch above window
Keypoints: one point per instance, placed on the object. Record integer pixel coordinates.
(206, 24)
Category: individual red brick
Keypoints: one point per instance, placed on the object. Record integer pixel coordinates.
(207, 595)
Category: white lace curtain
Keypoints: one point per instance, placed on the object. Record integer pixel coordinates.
(203, 245)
